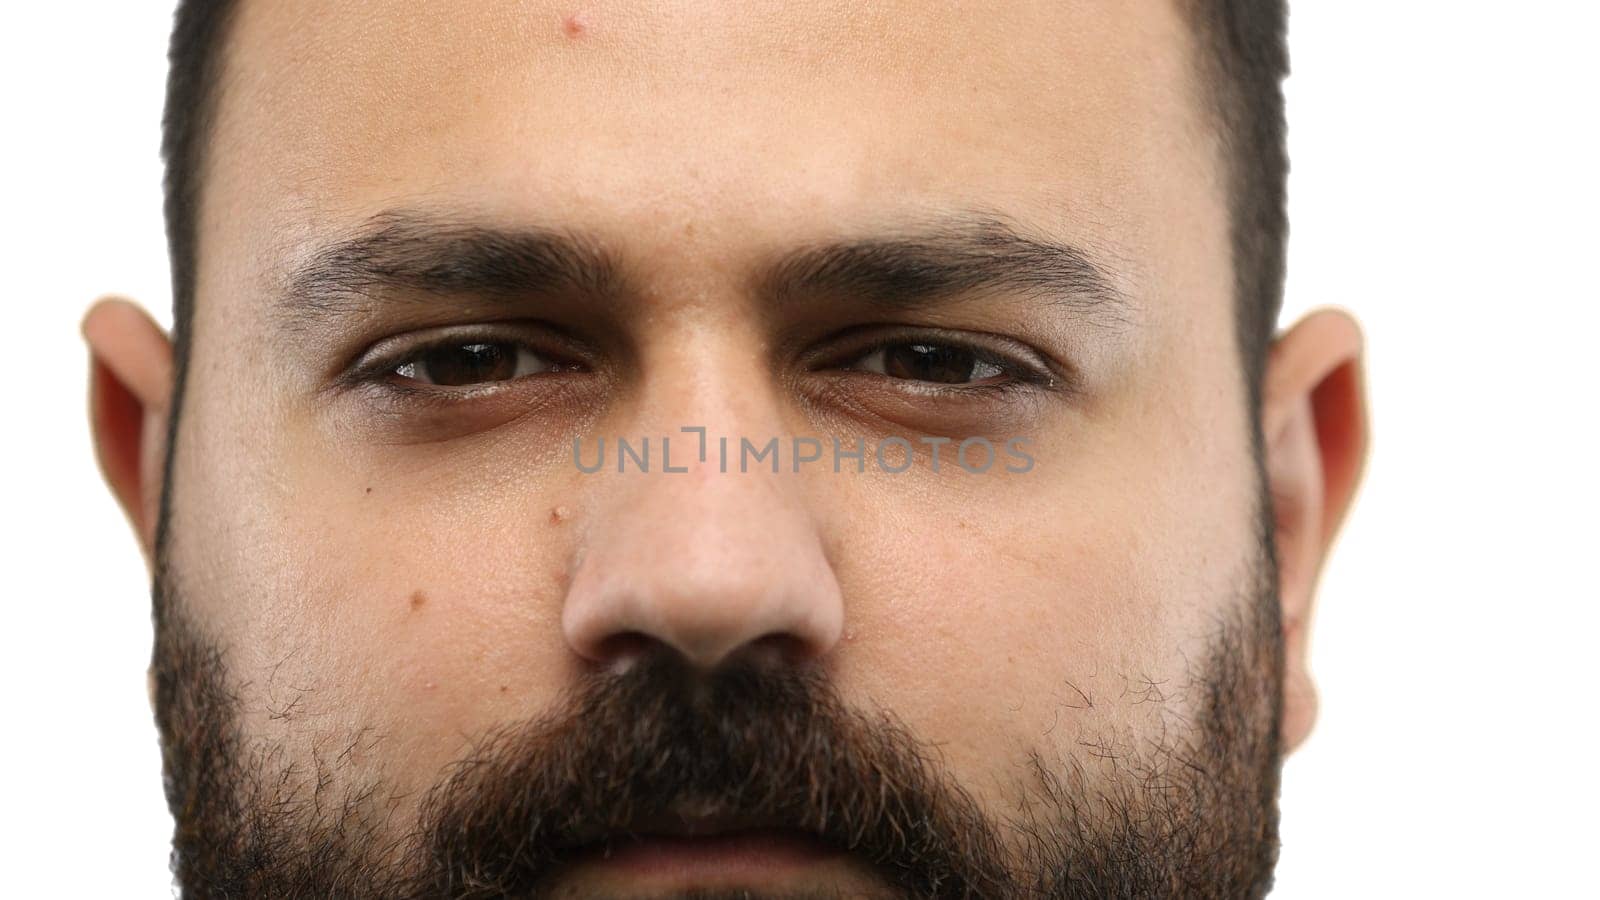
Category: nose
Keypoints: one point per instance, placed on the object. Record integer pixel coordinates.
(712, 564)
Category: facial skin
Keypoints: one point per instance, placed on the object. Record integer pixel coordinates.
(393, 579)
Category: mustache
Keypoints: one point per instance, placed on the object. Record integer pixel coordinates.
(751, 743)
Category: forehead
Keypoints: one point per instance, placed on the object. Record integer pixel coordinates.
(743, 120)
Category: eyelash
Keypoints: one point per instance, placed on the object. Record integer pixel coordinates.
(378, 365)
(379, 372)
(1021, 375)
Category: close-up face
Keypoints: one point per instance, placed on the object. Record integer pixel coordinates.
(1015, 606)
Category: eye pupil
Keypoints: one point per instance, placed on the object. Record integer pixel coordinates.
(466, 364)
(930, 362)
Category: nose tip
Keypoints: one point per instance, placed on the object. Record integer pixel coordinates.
(706, 606)
(712, 565)
(619, 637)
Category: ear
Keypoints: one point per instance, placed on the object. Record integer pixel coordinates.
(130, 391)
(1315, 427)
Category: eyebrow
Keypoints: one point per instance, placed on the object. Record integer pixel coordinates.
(414, 257)
(421, 258)
(957, 256)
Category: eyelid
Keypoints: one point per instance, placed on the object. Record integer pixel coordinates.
(382, 357)
(1018, 360)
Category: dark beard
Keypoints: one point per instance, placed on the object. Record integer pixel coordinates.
(1195, 817)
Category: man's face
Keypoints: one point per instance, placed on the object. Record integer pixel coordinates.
(378, 521)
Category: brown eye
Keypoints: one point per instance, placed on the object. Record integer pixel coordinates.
(936, 363)
(471, 363)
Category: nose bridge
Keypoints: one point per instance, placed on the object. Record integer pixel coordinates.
(691, 549)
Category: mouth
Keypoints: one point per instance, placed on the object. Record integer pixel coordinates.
(704, 852)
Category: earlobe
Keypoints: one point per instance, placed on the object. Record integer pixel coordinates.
(1315, 436)
(130, 390)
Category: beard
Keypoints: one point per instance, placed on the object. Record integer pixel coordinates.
(1194, 816)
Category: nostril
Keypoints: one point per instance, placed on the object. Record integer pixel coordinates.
(621, 650)
(781, 648)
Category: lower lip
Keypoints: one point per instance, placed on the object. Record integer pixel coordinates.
(737, 855)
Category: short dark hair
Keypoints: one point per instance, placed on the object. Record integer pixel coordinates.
(194, 82)
(194, 74)
(1243, 60)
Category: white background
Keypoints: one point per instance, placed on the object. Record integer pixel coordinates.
(1444, 189)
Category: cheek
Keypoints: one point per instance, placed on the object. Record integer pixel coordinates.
(985, 651)
(1045, 611)
(420, 602)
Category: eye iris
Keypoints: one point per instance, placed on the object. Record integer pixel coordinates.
(466, 364)
(929, 362)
